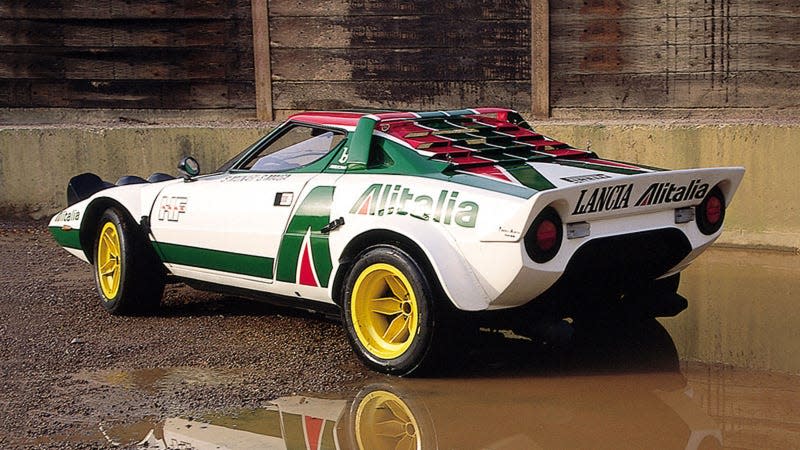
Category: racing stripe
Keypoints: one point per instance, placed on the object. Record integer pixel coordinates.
(66, 238)
(311, 216)
(530, 177)
(599, 167)
(251, 265)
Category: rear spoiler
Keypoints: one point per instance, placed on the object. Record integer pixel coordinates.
(83, 186)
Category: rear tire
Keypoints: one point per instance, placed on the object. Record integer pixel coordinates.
(389, 312)
(128, 273)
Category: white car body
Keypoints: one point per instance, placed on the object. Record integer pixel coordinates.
(480, 266)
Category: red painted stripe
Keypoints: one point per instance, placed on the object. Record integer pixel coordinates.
(396, 115)
(306, 269)
(489, 171)
(328, 118)
(313, 431)
(468, 159)
(562, 152)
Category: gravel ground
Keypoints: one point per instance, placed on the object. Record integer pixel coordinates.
(68, 366)
(72, 373)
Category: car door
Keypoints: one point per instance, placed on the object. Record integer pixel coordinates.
(227, 228)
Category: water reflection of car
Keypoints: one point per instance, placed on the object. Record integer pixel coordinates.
(402, 220)
(587, 412)
(596, 402)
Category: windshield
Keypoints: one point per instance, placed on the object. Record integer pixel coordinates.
(297, 155)
(297, 146)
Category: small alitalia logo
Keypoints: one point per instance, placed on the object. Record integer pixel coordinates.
(659, 193)
(386, 199)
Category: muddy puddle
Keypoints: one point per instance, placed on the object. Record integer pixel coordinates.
(663, 384)
(744, 310)
(699, 407)
(611, 389)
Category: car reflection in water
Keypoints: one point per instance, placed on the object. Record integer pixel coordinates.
(614, 386)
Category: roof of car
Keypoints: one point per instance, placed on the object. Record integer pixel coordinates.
(461, 137)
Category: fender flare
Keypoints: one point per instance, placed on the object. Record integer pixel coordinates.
(451, 271)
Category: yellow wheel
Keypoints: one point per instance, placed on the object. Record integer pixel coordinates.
(109, 262)
(388, 311)
(384, 421)
(384, 311)
(128, 274)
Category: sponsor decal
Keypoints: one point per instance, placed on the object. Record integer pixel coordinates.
(171, 208)
(609, 198)
(386, 199)
(586, 178)
(345, 155)
(68, 216)
(238, 178)
(510, 232)
(606, 198)
(658, 193)
(304, 255)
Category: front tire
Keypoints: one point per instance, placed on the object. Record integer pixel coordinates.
(389, 312)
(129, 276)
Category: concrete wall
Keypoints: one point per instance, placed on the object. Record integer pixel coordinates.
(766, 209)
(37, 162)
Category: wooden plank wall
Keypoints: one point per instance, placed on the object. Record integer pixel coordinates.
(608, 58)
(153, 54)
(675, 58)
(425, 54)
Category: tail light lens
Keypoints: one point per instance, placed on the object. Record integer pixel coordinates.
(543, 239)
(711, 213)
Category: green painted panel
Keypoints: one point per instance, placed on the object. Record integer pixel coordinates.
(599, 167)
(255, 266)
(293, 434)
(313, 213)
(530, 177)
(67, 238)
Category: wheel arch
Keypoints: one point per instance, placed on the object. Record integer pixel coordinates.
(90, 224)
(372, 238)
(471, 298)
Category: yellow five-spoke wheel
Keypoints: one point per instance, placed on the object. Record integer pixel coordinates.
(129, 277)
(384, 310)
(388, 311)
(109, 263)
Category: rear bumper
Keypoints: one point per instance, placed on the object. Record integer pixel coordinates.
(618, 264)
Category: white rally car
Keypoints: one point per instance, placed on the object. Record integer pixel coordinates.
(400, 220)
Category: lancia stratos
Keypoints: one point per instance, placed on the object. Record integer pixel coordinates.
(399, 221)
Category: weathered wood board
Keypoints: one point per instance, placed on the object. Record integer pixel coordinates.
(675, 56)
(398, 54)
(159, 54)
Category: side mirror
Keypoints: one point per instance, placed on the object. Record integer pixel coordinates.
(189, 168)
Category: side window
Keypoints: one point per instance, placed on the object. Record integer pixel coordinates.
(297, 147)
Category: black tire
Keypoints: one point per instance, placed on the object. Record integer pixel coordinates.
(419, 336)
(134, 279)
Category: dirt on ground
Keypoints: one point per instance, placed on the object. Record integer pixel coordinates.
(74, 376)
(71, 371)
(67, 364)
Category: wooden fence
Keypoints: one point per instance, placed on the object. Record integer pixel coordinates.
(152, 54)
(566, 58)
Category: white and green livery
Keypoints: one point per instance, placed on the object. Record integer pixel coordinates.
(406, 224)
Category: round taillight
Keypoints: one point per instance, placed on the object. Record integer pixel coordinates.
(711, 212)
(543, 239)
(546, 235)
